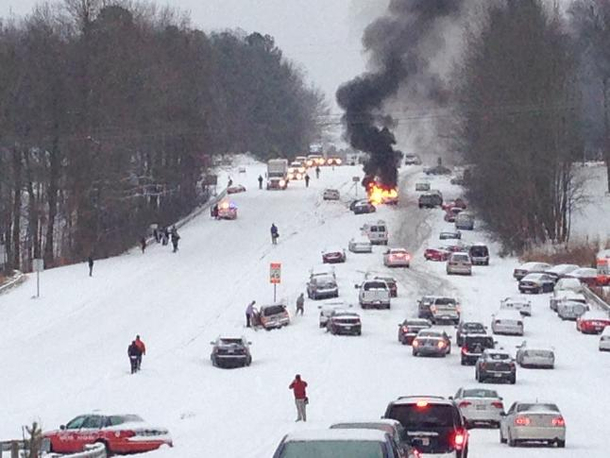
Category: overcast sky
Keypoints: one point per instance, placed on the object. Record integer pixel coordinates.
(322, 36)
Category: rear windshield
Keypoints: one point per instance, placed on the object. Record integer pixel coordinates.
(498, 356)
(375, 285)
(273, 310)
(473, 327)
(537, 407)
(333, 449)
(478, 393)
(460, 257)
(432, 415)
(444, 301)
(479, 251)
(230, 341)
(483, 342)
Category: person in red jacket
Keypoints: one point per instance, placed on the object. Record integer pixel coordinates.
(142, 349)
(298, 387)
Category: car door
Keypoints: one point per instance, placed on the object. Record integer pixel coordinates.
(90, 430)
(507, 419)
(67, 439)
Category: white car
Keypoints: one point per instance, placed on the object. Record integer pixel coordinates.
(480, 406)
(533, 421)
(509, 322)
(560, 270)
(331, 194)
(519, 303)
(604, 340)
(560, 295)
(535, 355)
(396, 257)
(322, 270)
(571, 310)
(530, 268)
(360, 245)
(327, 308)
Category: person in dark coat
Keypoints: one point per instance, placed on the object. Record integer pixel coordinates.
(260, 182)
(300, 304)
(156, 234)
(90, 263)
(215, 211)
(250, 313)
(142, 347)
(298, 387)
(317, 171)
(143, 244)
(134, 353)
(274, 234)
(307, 180)
(166, 234)
(175, 238)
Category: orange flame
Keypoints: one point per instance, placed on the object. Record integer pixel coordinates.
(379, 195)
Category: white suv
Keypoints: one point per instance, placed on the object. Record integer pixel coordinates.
(376, 232)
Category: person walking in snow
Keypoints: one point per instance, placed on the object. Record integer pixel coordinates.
(307, 180)
(143, 244)
(260, 182)
(250, 314)
(317, 171)
(90, 263)
(134, 353)
(298, 387)
(142, 348)
(300, 304)
(175, 238)
(156, 234)
(274, 234)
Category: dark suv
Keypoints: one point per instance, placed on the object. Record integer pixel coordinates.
(231, 352)
(433, 424)
(408, 329)
(468, 328)
(496, 365)
(473, 346)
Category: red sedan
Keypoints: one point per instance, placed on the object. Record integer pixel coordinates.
(437, 254)
(459, 203)
(586, 275)
(592, 322)
(119, 433)
(333, 255)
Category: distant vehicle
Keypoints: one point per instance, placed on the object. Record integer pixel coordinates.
(445, 311)
(412, 159)
(567, 288)
(604, 340)
(561, 270)
(450, 235)
(535, 356)
(231, 352)
(322, 270)
(464, 221)
(363, 207)
(530, 268)
(495, 365)
(593, 322)
(431, 342)
(390, 281)
(277, 174)
(473, 346)
(586, 275)
(357, 201)
(536, 283)
(314, 160)
(459, 203)
(391, 427)
(603, 267)
(518, 303)
(337, 443)
(428, 305)
(469, 328)
(430, 199)
(533, 421)
(508, 322)
(480, 406)
(322, 287)
(227, 210)
(333, 255)
(327, 308)
(236, 189)
(437, 170)
(396, 257)
(451, 213)
(374, 294)
(344, 322)
(360, 245)
(302, 160)
(408, 329)
(457, 180)
(376, 232)
(479, 254)
(571, 310)
(333, 160)
(274, 316)
(436, 254)
(459, 263)
(422, 186)
(120, 433)
(423, 306)
(433, 424)
(296, 171)
(331, 194)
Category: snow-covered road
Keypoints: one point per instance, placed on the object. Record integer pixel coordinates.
(65, 353)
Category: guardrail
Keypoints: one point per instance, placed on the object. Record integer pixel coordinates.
(18, 278)
(595, 299)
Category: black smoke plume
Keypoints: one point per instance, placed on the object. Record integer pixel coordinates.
(401, 45)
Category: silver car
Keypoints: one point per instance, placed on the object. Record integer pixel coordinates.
(604, 340)
(507, 322)
(459, 263)
(533, 422)
(566, 294)
(535, 356)
(519, 303)
(571, 310)
(530, 268)
(322, 286)
(430, 342)
(480, 406)
(331, 194)
(327, 308)
(360, 245)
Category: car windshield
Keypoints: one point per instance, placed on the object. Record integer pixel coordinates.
(273, 310)
(483, 342)
(114, 420)
(231, 341)
(325, 283)
(537, 407)
(333, 449)
(412, 416)
(480, 393)
(473, 327)
(498, 356)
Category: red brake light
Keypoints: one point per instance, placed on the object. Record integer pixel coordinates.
(459, 440)
(498, 405)
(522, 421)
(405, 329)
(464, 404)
(464, 350)
(422, 404)
(441, 344)
(559, 421)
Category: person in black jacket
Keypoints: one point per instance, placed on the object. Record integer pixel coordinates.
(134, 353)
(90, 263)
(175, 238)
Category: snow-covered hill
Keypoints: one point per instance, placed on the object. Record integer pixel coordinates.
(65, 353)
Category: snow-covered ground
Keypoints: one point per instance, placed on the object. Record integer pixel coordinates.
(65, 353)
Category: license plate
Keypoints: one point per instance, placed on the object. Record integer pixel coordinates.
(497, 375)
(481, 407)
(348, 328)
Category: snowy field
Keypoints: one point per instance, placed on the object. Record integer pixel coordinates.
(65, 353)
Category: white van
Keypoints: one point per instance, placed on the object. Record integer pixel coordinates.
(376, 232)
(464, 220)
(508, 322)
(374, 294)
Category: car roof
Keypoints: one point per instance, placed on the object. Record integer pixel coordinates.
(534, 275)
(531, 264)
(497, 351)
(606, 331)
(337, 435)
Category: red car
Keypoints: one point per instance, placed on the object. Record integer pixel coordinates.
(451, 213)
(586, 275)
(437, 254)
(592, 322)
(119, 433)
(333, 255)
(459, 203)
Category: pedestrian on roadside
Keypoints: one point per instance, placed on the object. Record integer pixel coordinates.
(175, 238)
(156, 234)
(260, 182)
(230, 182)
(90, 263)
(317, 171)
(140, 344)
(134, 353)
(307, 180)
(250, 314)
(143, 244)
(300, 304)
(298, 387)
(274, 234)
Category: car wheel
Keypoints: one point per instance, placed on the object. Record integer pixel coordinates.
(511, 442)
(502, 438)
(462, 362)
(476, 375)
(513, 380)
(403, 341)
(561, 444)
(415, 353)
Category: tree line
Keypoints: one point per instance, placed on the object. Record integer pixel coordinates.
(110, 112)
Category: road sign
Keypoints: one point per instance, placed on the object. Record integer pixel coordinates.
(275, 273)
(37, 265)
(355, 179)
